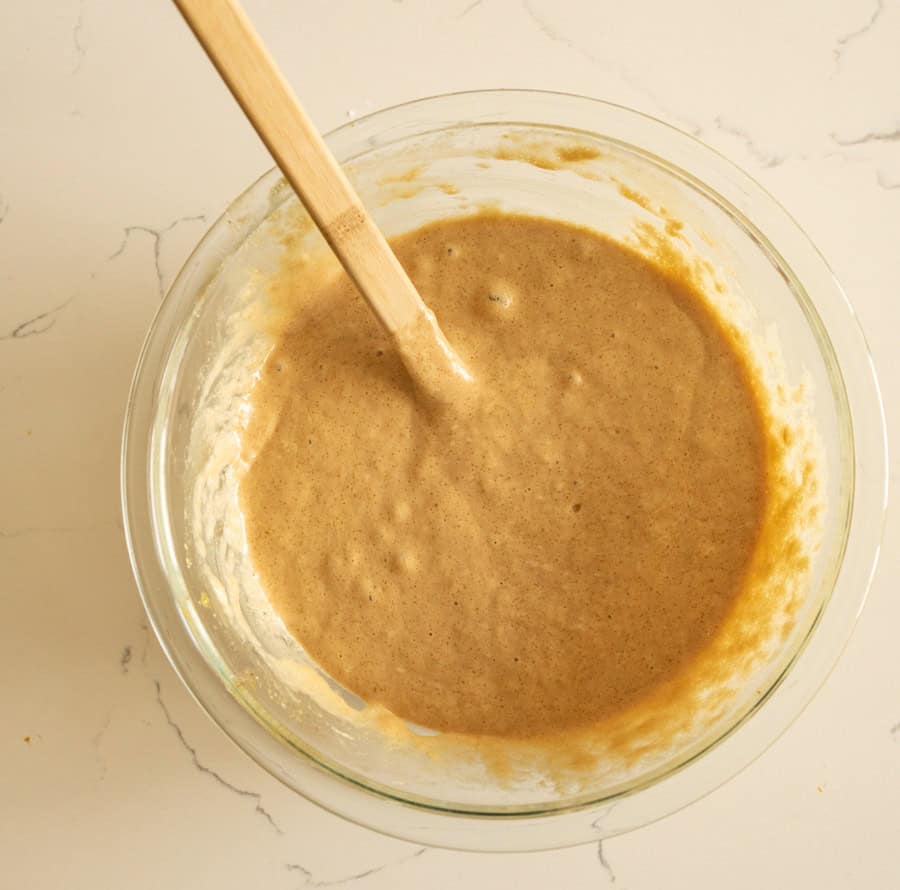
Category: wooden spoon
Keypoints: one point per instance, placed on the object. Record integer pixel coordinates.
(242, 60)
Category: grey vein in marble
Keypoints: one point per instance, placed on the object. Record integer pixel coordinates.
(43, 321)
(145, 647)
(310, 881)
(125, 659)
(470, 8)
(242, 792)
(157, 235)
(895, 731)
(552, 32)
(766, 159)
(95, 744)
(78, 46)
(37, 324)
(604, 863)
(843, 43)
(890, 135)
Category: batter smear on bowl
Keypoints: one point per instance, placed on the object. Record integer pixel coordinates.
(543, 555)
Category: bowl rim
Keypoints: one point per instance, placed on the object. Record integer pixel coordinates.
(589, 821)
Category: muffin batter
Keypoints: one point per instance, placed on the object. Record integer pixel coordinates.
(537, 556)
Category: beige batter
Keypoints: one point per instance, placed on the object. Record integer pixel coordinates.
(551, 551)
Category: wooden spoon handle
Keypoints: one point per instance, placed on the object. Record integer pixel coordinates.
(234, 47)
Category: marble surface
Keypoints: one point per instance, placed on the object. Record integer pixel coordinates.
(118, 147)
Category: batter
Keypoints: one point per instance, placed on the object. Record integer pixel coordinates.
(538, 557)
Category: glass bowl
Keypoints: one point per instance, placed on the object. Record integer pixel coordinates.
(556, 155)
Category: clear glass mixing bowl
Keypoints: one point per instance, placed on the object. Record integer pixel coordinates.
(555, 155)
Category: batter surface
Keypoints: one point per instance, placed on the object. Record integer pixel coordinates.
(543, 556)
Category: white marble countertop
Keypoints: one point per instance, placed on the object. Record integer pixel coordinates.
(118, 147)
